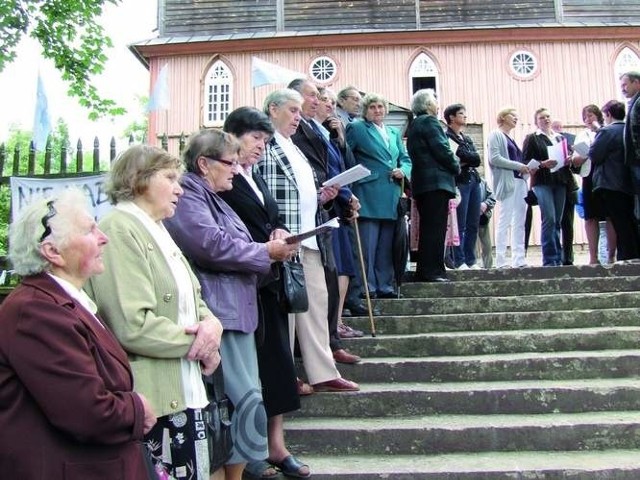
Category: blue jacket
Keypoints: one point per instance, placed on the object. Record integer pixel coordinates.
(378, 193)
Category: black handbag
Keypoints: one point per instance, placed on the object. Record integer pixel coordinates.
(531, 198)
(218, 419)
(295, 289)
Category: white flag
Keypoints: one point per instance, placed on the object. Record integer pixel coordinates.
(41, 119)
(159, 99)
(265, 73)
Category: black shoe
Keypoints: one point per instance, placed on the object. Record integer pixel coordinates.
(390, 295)
(372, 295)
(437, 279)
(361, 310)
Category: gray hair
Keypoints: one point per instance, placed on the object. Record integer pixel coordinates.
(633, 76)
(345, 92)
(211, 143)
(370, 98)
(280, 97)
(424, 102)
(59, 214)
(132, 171)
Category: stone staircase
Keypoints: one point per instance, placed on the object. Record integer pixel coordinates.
(501, 374)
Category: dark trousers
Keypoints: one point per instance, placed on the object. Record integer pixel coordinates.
(333, 290)
(333, 314)
(356, 288)
(566, 227)
(527, 227)
(433, 208)
(618, 207)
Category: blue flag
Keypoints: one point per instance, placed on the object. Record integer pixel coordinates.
(159, 99)
(41, 120)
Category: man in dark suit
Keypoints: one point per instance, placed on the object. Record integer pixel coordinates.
(612, 182)
(630, 85)
(311, 143)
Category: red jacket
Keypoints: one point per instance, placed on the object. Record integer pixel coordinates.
(67, 409)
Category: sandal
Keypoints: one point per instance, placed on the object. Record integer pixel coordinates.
(260, 470)
(290, 466)
(304, 388)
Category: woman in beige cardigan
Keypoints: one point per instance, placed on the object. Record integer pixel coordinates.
(151, 300)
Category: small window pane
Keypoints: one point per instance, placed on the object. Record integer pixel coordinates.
(523, 64)
(323, 69)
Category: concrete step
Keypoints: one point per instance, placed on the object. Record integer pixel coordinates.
(427, 435)
(410, 324)
(493, 342)
(520, 286)
(476, 398)
(523, 303)
(574, 465)
(497, 367)
(622, 269)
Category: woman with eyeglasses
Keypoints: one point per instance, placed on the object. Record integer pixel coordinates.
(229, 265)
(151, 300)
(68, 405)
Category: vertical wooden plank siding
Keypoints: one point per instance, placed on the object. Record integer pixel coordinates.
(570, 75)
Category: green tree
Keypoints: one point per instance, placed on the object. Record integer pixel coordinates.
(70, 36)
(138, 128)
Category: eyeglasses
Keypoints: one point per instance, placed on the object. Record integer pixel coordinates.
(45, 220)
(229, 163)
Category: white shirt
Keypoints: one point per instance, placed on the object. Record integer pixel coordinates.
(79, 296)
(383, 133)
(307, 194)
(252, 183)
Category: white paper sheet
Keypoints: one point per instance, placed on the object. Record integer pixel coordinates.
(348, 176)
(558, 152)
(333, 223)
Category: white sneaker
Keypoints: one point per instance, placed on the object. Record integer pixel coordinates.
(475, 266)
(464, 266)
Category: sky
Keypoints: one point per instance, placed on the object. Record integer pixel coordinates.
(123, 80)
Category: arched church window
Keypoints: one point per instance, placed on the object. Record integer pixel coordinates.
(218, 90)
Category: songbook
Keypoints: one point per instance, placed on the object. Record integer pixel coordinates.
(325, 227)
(348, 176)
(558, 152)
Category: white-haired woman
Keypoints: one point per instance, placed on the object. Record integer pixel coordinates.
(292, 182)
(433, 174)
(68, 405)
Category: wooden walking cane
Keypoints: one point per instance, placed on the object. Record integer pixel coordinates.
(364, 278)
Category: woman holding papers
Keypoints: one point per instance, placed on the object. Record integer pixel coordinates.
(228, 264)
(294, 186)
(510, 189)
(549, 182)
(252, 201)
(593, 210)
(379, 148)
